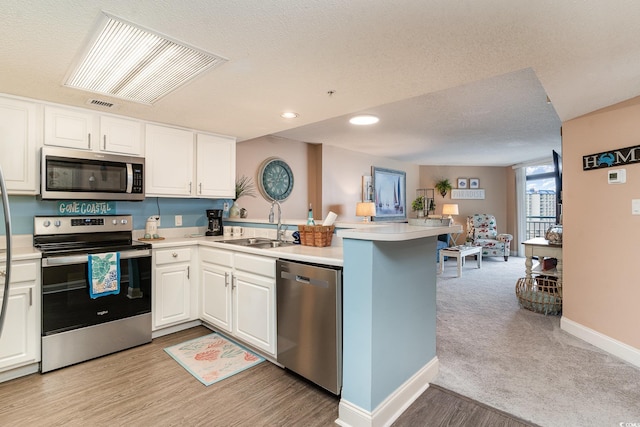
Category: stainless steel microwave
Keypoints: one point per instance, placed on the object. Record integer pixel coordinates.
(88, 175)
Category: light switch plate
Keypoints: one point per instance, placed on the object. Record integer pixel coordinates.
(178, 220)
(635, 207)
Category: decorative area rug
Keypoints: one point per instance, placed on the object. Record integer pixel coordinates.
(212, 358)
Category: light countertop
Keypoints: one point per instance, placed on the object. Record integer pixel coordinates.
(331, 255)
(396, 232)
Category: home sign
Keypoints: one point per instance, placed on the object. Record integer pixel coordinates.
(608, 159)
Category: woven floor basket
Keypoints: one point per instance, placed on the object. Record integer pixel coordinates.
(540, 294)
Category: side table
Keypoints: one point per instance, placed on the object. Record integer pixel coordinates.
(459, 253)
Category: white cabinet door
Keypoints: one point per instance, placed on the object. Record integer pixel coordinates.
(216, 166)
(20, 340)
(68, 128)
(169, 161)
(216, 296)
(254, 310)
(172, 295)
(19, 146)
(120, 135)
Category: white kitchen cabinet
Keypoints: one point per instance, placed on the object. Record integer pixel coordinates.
(20, 340)
(169, 161)
(216, 273)
(119, 135)
(19, 145)
(215, 166)
(238, 296)
(71, 128)
(77, 128)
(171, 293)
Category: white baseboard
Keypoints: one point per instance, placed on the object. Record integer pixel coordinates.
(393, 406)
(19, 372)
(608, 344)
(177, 328)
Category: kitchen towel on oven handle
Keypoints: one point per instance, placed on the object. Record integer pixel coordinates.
(104, 274)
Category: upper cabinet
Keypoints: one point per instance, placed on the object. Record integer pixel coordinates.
(216, 166)
(75, 128)
(120, 135)
(19, 145)
(170, 161)
(68, 128)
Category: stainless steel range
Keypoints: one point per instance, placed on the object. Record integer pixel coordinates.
(75, 326)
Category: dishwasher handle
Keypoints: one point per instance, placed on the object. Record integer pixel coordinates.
(303, 279)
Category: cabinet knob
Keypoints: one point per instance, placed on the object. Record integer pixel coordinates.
(175, 255)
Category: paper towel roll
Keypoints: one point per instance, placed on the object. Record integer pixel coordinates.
(330, 219)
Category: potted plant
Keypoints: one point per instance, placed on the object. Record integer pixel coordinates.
(244, 187)
(418, 205)
(443, 186)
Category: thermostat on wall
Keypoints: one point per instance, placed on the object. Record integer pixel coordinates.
(617, 176)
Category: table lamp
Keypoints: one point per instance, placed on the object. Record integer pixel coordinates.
(365, 210)
(450, 210)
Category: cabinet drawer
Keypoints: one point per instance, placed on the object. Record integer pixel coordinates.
(26, 272)
(171, 256)
(263, 266)
(216, 256)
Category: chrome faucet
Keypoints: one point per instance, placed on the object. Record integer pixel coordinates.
(279, 228)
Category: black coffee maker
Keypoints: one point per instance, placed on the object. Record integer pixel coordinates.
(214, 221)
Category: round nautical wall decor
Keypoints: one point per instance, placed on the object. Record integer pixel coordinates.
(275, 179)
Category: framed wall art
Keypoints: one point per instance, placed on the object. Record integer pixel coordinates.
(389, 194)
(462, 183)
(474, 183)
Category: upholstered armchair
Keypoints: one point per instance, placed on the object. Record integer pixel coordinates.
(482, 230)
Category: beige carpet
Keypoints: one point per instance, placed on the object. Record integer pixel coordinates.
(521, 362)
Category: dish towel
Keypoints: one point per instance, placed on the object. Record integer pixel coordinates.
(104, 274)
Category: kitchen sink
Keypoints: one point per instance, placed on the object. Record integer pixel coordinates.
(258, 242)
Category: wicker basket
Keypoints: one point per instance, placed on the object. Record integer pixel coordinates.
(316, 235)
(540, 294)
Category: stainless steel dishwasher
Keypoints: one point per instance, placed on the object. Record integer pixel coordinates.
(310, 322)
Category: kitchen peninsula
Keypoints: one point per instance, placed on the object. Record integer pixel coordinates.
(389, 320)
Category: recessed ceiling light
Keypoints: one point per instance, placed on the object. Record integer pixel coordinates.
(289, 115)
(365, 119)
(133, 63)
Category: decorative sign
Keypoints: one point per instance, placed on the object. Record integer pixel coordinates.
(86, 208)
(608, 159)
(467, 194)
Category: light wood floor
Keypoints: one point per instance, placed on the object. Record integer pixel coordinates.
(145, 387)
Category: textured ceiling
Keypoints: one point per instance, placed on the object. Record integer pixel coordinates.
(454, 82)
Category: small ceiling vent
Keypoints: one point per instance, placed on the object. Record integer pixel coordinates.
(100, 103)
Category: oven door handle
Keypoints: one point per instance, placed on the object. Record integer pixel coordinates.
(84, 259)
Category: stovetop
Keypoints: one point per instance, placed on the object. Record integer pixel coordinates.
(84, 234)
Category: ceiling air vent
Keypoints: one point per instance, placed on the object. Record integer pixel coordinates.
(133, 63)
(100, 103)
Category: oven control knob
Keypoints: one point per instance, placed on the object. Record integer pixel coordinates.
(46, 223)
(114, 221)
(123, 221)
(57, 223)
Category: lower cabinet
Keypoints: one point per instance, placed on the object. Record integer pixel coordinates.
(238, 296)
(20, 339)
(172, 292)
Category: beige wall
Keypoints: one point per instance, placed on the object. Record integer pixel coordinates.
(250, 155)
(497, 182)
(323, 175)
(342, 179)
(601, 286)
